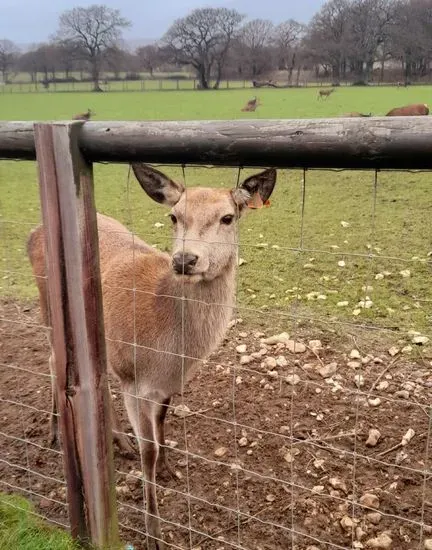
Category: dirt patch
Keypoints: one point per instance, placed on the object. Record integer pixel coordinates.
(295, 463)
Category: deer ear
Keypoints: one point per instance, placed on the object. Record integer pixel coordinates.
(256, 190)
(157, 185)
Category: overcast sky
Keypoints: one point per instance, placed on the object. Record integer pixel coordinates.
(32, 21)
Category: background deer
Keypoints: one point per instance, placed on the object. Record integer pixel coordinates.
(83, 116)
(356, 114)
(171, 334)
(251, 105)
(325, 93)
(417, 109)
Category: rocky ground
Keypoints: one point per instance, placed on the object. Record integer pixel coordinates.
(314, 440)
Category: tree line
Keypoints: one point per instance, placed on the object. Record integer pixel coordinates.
(355, 40)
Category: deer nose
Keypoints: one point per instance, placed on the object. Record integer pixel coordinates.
(183, 262)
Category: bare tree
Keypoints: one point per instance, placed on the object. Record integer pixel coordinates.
(149, 58)
(327, 36)
(287, 38)
(410, 37)
(93, 31)
(47, 60)
(370, 22)
(202, 39)
(27, 62)
(116, 60)
(67, 56)
(253, 42)
(8, 56)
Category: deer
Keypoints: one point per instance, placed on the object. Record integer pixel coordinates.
(356, 114)
(325, 93)
(179, 312)
(251, 105)
(83, 116)
(417, 109)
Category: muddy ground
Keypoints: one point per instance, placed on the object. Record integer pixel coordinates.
(286, 467)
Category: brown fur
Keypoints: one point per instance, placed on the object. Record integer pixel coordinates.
(418, 109)
(251, 105)
(171, 335)
(83, 116)
(325, 93)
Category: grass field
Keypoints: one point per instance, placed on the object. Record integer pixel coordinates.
(21, 529)
(276, 275)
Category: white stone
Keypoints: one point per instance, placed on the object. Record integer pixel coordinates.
(220, 452)
(293, 379)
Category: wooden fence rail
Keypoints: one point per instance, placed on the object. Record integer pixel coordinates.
(393, 143)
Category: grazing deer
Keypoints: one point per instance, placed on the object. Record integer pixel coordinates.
(356, 114)
(84, 116)
(164, 313)
(417, 109)
(325, 93)
(251, 105)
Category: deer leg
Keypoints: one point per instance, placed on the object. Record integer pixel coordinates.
(143, 415)
(54, 439)
(123, 442)
(163, 464)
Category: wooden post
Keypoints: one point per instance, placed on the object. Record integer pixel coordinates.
(75, 303)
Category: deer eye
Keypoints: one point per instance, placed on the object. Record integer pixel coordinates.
(173, 218)
(227, 220)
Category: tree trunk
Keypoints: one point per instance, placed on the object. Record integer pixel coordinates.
(344, 69)
(369, 69)
(408, 69)
(219, 65)
(202, 79)
(291, 67)
(95, 71)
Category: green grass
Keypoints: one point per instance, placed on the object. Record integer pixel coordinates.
(276, 274)
(22, 529)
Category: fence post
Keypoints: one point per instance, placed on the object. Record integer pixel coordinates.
(75, 303)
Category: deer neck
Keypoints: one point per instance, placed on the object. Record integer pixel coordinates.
(201, 318)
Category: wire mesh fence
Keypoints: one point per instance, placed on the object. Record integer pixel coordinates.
(145, 85)
(29, 464)
(309, 426)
